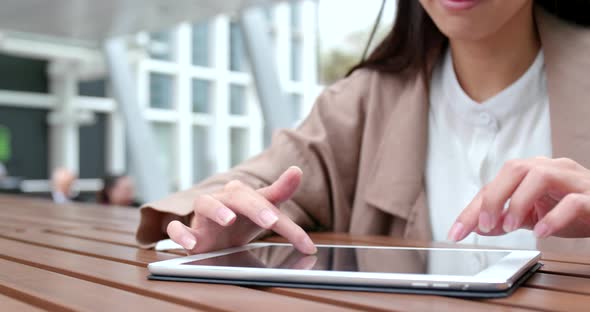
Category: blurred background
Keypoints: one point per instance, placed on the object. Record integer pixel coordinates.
(193, 81)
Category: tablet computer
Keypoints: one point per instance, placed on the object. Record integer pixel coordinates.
(381, 268)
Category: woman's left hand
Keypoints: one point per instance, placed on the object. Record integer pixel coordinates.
(549, 196)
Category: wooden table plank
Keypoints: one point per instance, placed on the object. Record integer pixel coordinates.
(37, 221)
(11, 227)
(74, 209)
(26, 224)
(541, 299)
(79, 212)
(564, 268)
(58, 292)
(50, 219)
(11, 304)
(133, 279)
(47, 204)
(562, 257)
(560, 283)
(99, 236)
(387, 302)
(115, 230)
(130, 255)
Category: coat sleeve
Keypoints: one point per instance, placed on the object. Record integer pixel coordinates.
(326, 146)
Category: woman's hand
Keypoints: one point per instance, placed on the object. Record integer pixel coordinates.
(549, 196)
(237, 214)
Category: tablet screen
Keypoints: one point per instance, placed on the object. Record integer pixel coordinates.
(359, 259)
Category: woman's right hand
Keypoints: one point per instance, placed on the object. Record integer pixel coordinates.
(235, 215)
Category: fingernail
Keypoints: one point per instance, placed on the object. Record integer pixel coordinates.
(188, 243)
(267, 218)
(225, 215)
(456, 232)
(509, 224)
(310, 246)
(485, 222)
(541, 230)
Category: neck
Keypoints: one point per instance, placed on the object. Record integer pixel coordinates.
(486, 67)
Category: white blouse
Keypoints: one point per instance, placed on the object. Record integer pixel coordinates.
(469, 142)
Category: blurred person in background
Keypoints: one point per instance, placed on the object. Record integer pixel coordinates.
(464, 105)
(118, 190)
(62, 181)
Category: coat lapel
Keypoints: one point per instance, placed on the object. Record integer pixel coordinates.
(567, 65)
(566, 48)
(400, 161)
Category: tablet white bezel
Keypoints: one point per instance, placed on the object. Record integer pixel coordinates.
(497, 277)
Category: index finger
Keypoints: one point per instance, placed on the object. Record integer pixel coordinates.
(294, 234)
(498, 191)
(284, 187)
(261, 211)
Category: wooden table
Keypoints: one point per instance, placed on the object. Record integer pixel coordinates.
(84, 257)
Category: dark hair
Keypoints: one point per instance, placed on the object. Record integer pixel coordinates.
(414, 37)
(108, 182)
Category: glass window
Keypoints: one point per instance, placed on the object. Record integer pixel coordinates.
(296, 64)
(161, 45)
(165, 140)
(201, 96)
(239, 145)
(295, 16)
(96, 88)
(237, 100)
(202, 164)
(92, 147)
(201, 44)
(236, 48)
(161, 95)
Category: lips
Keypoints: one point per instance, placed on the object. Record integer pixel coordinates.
(458, 5)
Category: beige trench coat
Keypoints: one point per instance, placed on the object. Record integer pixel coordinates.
(362, 149)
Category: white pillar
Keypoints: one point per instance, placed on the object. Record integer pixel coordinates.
(220, 133)
(282, 24)
(116, 160)
(310, 54)
(151, 181)
(63, 125)
(183, 98)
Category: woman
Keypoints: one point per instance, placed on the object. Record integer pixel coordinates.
(429, 124)
(117, 190)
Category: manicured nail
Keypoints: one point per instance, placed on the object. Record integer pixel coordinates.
(296, 168)
(268, 218)
(456, 232)
(310, 247)
(485, 222)
(225, 215)
(541, 230)
(188, 243)
(509, 224)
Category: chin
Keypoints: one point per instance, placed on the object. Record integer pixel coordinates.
(463, 32)
(483, 19)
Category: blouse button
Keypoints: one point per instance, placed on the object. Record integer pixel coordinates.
(485, 118)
